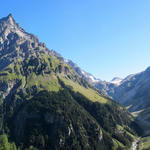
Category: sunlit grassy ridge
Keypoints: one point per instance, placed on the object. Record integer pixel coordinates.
(123, 129)
(117, 144)
(12, 72)
(46, 82)
(88, 92)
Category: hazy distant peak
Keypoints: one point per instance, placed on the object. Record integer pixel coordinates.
(87, 76)
(116, 80)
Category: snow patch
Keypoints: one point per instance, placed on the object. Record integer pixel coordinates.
(116, 81)
(93, 80)
(83, 72)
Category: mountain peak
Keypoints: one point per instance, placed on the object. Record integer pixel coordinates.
(8, 26)
(9, 16)
(9, 20)
(116, 80)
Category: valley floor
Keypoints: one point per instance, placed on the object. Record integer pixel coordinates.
(135, 144)
(141, 143)
(144, 143)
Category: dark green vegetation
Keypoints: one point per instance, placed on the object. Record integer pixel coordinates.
(56, 121)
(68, 120)
(144, 143)
(45, 105)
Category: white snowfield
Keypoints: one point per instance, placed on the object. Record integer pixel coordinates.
(116, 81)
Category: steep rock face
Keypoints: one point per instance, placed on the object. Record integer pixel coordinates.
(21, 54)
(135, 94)
(133, 90)
(106, 87)
(15, 43)
(45, 104)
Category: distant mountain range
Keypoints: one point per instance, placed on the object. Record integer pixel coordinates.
(133, 92)
(87, 76)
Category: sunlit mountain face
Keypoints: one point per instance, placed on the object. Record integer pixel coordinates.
(47, 103)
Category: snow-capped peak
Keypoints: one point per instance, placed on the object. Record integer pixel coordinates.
(116, 80)
(93, 79)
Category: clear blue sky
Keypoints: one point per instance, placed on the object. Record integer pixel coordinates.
(107, 38)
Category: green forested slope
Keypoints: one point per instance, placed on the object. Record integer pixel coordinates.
(45, 105)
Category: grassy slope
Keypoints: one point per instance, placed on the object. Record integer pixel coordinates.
(94, 97)
(50, 82)
(144, 143)
(47, 82)
(88, 92)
